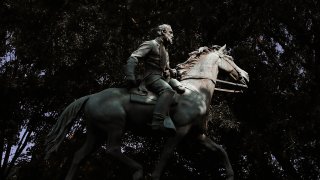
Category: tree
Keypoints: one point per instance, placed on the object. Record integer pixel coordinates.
(62, 50)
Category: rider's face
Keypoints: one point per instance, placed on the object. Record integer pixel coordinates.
(168, 35)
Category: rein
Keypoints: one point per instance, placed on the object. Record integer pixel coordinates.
(220, 81)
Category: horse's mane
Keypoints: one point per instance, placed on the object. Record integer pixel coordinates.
(195, 57)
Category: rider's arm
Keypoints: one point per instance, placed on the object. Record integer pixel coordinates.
(132, 61)
(143, 50)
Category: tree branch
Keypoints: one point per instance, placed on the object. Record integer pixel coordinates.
(23, 143)
(1, 148)
(7, 155)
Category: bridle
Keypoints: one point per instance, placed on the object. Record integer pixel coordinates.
(220, 81)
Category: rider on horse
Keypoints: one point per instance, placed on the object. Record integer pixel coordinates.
(156, 63)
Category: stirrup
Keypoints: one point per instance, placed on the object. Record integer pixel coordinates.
(167, 123)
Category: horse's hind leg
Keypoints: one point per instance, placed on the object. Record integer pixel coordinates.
(83, 152)
(207, 142)
(114, 149)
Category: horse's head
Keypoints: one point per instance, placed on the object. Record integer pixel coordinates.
(226, 63)
(205, 62)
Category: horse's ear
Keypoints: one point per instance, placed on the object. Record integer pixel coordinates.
(221, 50)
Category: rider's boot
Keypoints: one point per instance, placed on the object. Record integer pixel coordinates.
(161, 109)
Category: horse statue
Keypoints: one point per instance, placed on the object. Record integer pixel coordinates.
(111, 112)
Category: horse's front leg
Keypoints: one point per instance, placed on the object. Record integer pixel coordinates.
(212, 146)
(168, 149)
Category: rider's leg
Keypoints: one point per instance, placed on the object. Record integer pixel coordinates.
(161, 109)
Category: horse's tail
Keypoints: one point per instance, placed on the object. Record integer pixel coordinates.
(61, 128)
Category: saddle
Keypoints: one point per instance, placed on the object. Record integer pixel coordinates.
(142, 95)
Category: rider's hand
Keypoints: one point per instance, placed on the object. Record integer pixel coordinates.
(166, 74)
(173, 72)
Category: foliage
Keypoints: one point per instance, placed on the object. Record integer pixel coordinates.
(53, 52)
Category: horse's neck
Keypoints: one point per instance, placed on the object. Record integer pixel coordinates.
(202, 75)
(204, 86)
(204, 68)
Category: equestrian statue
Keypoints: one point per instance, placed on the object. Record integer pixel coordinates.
(153, 106)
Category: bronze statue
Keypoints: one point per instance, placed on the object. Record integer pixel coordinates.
(111, 112)
(156, 62)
